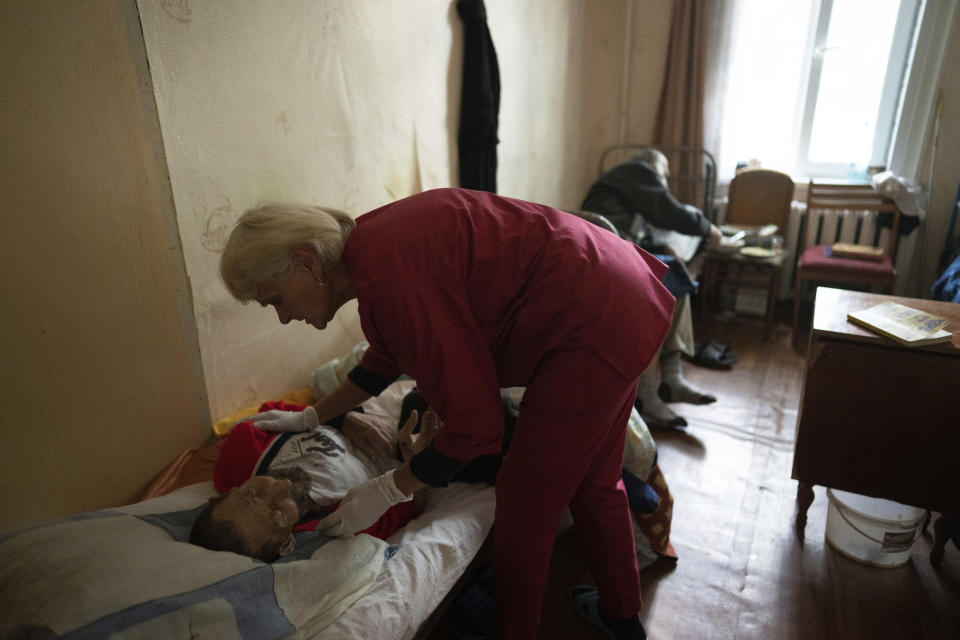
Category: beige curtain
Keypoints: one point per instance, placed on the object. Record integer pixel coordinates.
(680, 114)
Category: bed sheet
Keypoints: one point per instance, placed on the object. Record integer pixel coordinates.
(126, 572)
(129, 573)
(433, 554)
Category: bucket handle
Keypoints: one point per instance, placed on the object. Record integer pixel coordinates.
(866, 535)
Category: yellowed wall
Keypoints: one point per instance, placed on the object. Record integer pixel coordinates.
(100, 380)
(340, 103)
(345, 103)
(606, 118)
(540, 107)
(946, 168)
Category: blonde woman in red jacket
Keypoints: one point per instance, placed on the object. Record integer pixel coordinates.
(469, 292)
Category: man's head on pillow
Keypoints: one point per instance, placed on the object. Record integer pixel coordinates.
(255, 519)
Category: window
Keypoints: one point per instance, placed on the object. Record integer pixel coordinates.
(809, 87)
(856, 74)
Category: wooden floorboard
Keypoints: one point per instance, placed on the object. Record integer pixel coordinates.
(742, 573)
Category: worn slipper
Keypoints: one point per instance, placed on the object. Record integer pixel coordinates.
(713, 355)
(586, 600)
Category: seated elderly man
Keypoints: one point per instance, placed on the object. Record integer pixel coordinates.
(634, 196)
(275, 484)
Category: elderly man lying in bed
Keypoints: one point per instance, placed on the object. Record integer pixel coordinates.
(275, 484)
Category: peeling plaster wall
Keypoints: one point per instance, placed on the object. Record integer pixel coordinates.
(344, 104)
(349, 104)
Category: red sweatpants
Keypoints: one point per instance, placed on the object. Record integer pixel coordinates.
(567, 450)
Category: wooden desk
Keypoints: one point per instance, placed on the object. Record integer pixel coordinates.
(877, 418)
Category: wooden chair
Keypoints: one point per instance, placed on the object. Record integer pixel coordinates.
(816, 264)
(756, 197)
(759, 197)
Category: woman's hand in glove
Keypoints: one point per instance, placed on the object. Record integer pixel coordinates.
(362, 506)
(277, 420)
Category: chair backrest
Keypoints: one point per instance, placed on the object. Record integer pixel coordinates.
(759, 197)
(852, 198)
(596, 218)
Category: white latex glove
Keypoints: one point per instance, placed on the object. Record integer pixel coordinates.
(362, 506)
(277, 420)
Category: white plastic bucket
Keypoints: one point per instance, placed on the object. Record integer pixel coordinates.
(872, 530)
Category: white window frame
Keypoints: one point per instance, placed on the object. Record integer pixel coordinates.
(916, 117)
(903, 41)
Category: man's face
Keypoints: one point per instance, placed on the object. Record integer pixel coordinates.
(299, 486)
(263, 509)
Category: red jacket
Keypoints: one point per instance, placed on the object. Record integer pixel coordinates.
(466, 291)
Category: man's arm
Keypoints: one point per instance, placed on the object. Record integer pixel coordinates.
(345, 397)
(410, 443)
(715, 237)
(406, 482)
(370, 434)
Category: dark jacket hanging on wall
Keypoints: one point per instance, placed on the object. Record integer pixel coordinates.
(479, 101)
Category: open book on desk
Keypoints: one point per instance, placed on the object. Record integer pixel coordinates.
(907, 326)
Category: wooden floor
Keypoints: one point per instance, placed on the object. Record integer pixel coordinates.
(742, 573)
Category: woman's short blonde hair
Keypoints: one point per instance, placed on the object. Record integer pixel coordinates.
(258, 248)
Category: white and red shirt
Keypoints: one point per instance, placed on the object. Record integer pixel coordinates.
(329, 459)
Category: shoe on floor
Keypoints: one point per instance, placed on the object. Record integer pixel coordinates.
(586, 600)
(713, 355)
(473, 612)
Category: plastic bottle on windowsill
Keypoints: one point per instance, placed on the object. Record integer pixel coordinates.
(857, 172)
